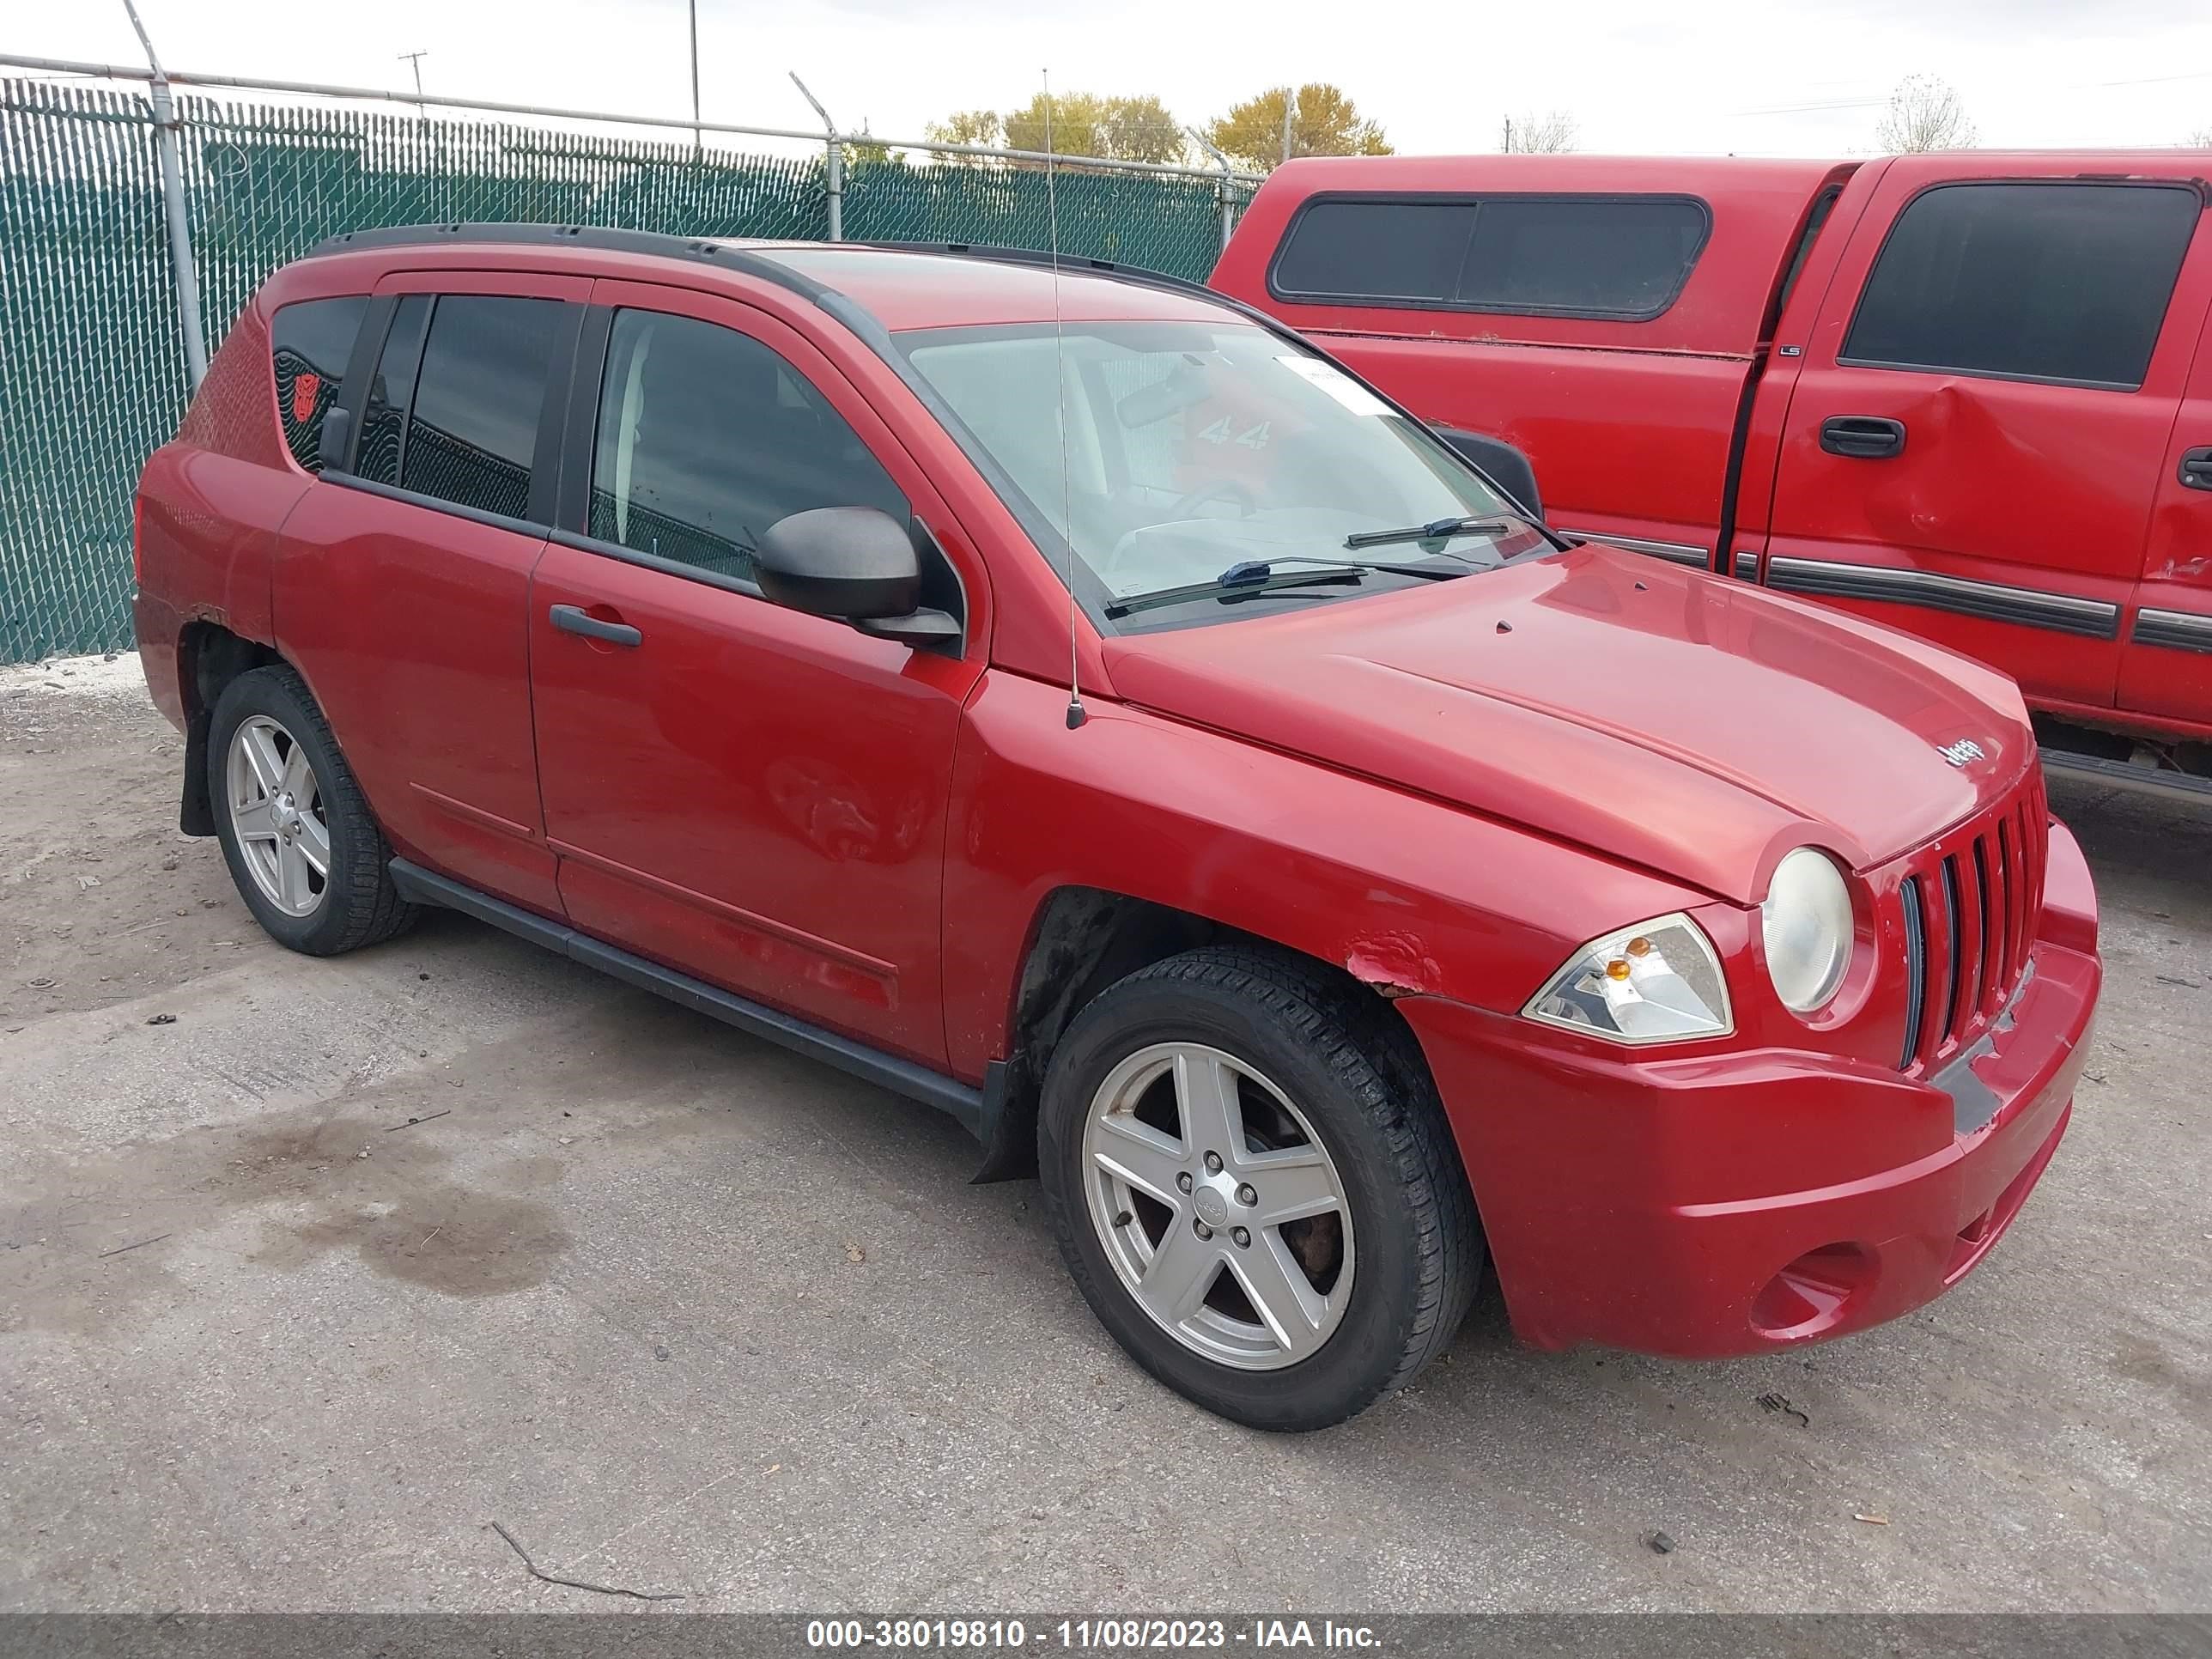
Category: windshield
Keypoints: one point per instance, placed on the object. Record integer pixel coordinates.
(1200, 450)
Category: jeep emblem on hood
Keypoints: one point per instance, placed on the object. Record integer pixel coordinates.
(1961, 752)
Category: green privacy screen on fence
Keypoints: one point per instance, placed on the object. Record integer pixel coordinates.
(92, 374)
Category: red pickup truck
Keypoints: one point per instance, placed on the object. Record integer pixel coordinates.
(1962, 394)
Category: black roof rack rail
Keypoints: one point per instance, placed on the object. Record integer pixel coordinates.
(655, 244)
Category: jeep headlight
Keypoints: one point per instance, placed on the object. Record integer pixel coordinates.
(1806, 922)
(1658, 981)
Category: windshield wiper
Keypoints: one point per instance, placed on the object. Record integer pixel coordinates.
(1435, 530)
(1255, 576)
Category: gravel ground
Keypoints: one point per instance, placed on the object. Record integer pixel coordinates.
(688, 1314)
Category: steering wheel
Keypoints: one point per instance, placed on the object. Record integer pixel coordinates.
(1218, 489)
(1215, 490)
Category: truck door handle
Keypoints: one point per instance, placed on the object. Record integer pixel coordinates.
(575, 619)
(2196, 469)
(1863, 437)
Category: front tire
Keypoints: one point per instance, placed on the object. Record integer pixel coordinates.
(1253, 1184)
(303, 848)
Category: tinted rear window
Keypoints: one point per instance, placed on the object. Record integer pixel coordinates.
(309, 344)
(1578, 256)
(474, 427)
(2045, 281)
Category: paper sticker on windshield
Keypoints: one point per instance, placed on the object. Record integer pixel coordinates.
(1336, 382)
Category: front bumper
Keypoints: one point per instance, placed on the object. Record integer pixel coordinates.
(1734, 1203)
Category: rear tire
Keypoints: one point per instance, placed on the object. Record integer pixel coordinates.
(1342, 1131)
(303, 848)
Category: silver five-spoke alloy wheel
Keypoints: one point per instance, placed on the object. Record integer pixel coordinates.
(1218, 1205)
(276, 813)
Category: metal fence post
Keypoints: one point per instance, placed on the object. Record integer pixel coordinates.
(836, 149)
(1225, 189)
(183, 270)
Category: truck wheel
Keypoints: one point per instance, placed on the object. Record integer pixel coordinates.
(1252, 1181)
(306, 855)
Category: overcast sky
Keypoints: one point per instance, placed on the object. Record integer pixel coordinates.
(1784, 77)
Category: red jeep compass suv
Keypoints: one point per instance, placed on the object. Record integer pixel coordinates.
(1067, 698)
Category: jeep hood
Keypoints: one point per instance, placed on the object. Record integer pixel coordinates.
(1697, 726)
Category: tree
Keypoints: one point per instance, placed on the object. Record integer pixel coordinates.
(2201, 139)
(1924, 113)
(865, 152)
(1134, 129)
(1550, 134)
(1324, 123)
(967, 126)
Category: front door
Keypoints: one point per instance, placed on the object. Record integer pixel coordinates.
(746, 794)
(1970, 449)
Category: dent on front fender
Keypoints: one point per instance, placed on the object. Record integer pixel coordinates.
(1408, 895)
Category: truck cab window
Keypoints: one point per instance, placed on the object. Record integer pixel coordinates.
(2065, 282)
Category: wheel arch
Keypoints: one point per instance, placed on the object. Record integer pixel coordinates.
(1082, 939)
(209, 656)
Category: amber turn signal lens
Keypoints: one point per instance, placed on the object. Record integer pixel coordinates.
(1617, 969)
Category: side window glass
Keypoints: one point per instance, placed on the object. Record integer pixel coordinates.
(391, 392)
(1626, 257)
(2042, 281)
(473, 430)
(706, 437)
(309, 344)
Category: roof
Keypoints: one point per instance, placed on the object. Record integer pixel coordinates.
(897, 285)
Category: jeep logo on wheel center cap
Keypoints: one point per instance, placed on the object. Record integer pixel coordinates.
(1212, 1208)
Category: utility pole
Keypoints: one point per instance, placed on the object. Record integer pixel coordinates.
(1508, 150)
(415, 60)
(1289, 111)
(698, 134)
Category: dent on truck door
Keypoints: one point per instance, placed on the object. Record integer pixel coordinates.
(1972, 447)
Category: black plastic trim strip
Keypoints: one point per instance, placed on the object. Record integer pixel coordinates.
(972, 1108)
(691, 250)
(359, 375)
(2176, 630)
(571, 508)
(1746, 564)
(437, 503)
(2062, 613)
(552, 414)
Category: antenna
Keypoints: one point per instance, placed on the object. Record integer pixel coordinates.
(1076, 715)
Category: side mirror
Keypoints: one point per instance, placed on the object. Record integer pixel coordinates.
(1505, 466)
(856, 564)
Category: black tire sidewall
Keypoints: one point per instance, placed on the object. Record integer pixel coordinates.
(270, 692)
(1356, 1363)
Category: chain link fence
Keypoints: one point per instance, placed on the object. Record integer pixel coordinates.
(92, 372)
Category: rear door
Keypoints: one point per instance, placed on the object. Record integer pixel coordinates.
(2165, 667)
(402, 585)
(1972, 447)
(752, 795)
